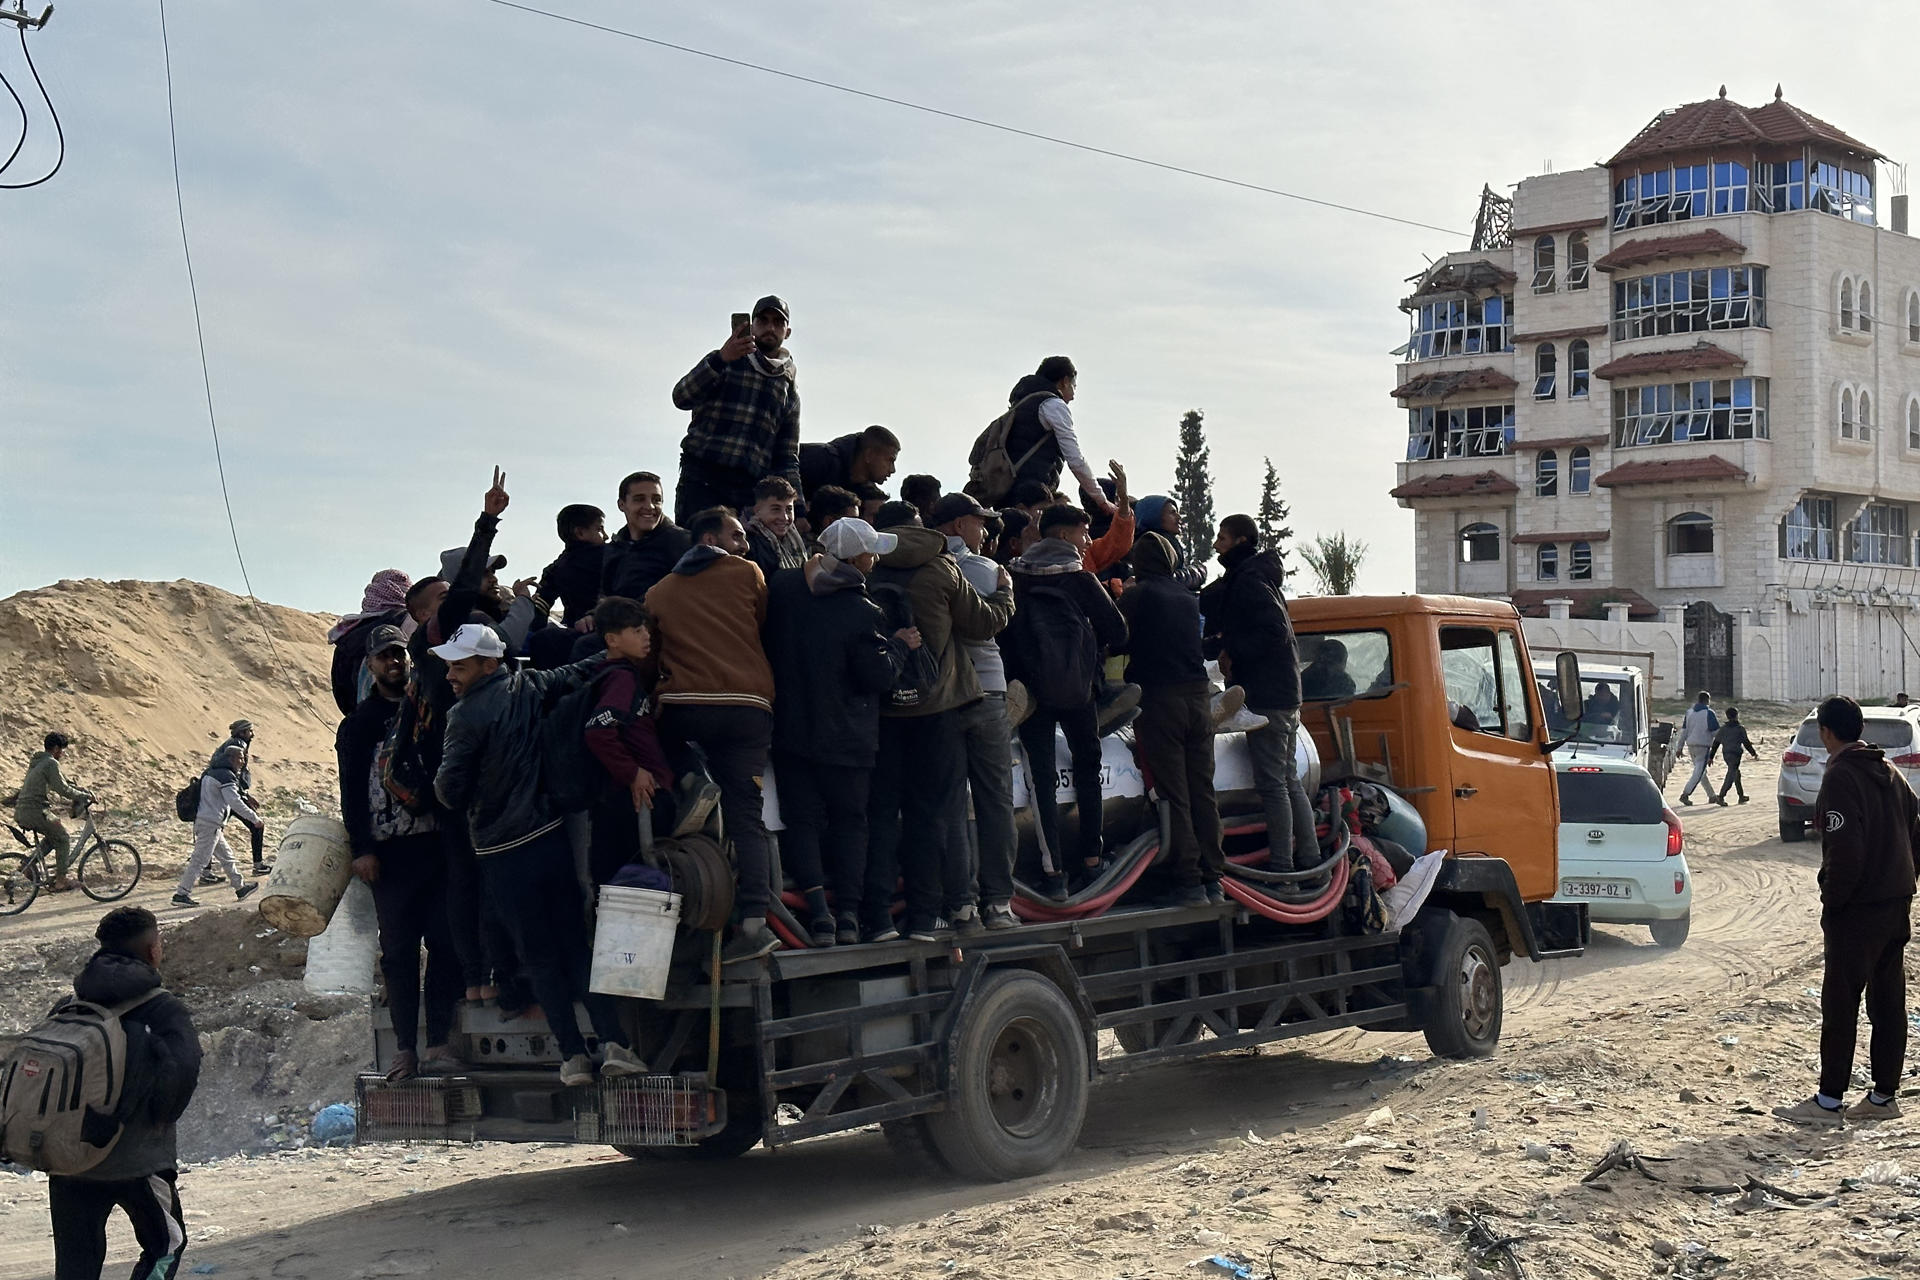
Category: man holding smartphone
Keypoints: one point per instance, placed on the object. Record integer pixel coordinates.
(746, 415)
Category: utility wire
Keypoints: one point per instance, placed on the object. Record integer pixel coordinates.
(59, 133)
(974, 120)
(22, 107)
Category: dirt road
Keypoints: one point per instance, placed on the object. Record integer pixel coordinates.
(1285, 1149)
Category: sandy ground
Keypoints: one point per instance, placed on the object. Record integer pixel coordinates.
(1335, 1156)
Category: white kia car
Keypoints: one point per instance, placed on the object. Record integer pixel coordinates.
(1621, 848)
(1804, 762)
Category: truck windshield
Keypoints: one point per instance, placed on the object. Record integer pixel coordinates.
(1345, 664)
(1611, 715)
(1608, 797)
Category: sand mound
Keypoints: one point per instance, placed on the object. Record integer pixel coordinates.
(146, 676)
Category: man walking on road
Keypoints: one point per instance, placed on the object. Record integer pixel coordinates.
(219, 798)
(1728, 744)
(240, 734)
(1696, 734)
(1869, 827)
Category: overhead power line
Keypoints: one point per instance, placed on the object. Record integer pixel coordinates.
(61, 157)
(975, 120)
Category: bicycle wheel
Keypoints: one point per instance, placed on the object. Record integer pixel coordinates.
(109, 870)
(19, 886)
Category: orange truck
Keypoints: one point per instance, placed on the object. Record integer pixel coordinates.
(980, 1056)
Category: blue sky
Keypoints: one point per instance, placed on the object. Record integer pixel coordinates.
(440, 235)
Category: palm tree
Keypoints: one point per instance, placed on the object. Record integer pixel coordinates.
(1335, 560)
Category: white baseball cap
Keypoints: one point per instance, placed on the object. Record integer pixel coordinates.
(472, 641)
(850, 536)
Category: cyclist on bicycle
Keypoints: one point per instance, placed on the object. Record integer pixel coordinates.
(31, 812)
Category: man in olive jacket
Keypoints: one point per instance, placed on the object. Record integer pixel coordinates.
(922, 762)
(1869, 826)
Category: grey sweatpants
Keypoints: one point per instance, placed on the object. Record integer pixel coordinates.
(209, 842)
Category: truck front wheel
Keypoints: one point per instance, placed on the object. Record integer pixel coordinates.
(1017, 1093)
(1465, 1021)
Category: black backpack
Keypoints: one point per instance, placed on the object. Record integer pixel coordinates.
(186, 801)
(1059, 655)
(890, 588)
(994, 470)
(573, 776)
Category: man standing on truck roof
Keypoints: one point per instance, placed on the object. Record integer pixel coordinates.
(745, 401)
(1696, 733)
(1869, 827)
(490, 771)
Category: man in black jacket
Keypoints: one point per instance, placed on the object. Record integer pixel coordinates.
(1869, 826)
(1251, 634)
(571, 584)
(1175, 732)
(648, 546)
(850, 461)
(1063, 619)
(831, 662)
(162, 1070)
(400, 856)
(490, 771)
(1728, 743)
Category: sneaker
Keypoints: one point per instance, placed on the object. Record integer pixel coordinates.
(1116, 701)
(698, 797)
(751, 941)
(1743, 799)
(999, 915)
(1686, 801)
(1811, 1113)
(1054, 887)
(822, 932)
(210, 877)
(1019, 704)
(1215, 894)
(240, 893)
(1195, 896)
(888, 934)
(1241, 721)
(936, 930)
(1721, 801)
(441, 1064)
(967, 922)
(262, 869)
(618, 1060)
(847, 931)
(182, 900)
(1227, 704)
(577, 1070)
(1867, 1111)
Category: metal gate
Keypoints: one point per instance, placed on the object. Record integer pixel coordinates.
(1709, 645)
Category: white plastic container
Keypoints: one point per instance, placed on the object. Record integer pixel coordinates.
(633, 942)
(342, 960)
(310, 873)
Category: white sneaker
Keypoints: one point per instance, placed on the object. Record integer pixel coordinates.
(577, 1070)
(618, 1060)
(1241, 721)
(1227, 704)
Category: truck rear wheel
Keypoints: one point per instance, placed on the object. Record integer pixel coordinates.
(1465, 1022)
(1017, 1093)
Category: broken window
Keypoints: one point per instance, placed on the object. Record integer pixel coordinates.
(1780, 187)
(1580, 465)
(1578, 268)
(1477, 431)
(1690, 534)
(1544, 361)
(1479, 543)
(1846, 413)
(1577, 373)
(1879, 536)
(1689, 302)
(1543, 265)
(1866, 307)
(1807, 532)
(1546, 474)
(1582, 562)
(1546, 563)
(1675, 413)
(1460, 327)
(1846, 304)
(1730, 186)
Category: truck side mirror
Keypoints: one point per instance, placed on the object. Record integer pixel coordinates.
(1566, 683)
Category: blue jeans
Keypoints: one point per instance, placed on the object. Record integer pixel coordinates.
(1276, 775)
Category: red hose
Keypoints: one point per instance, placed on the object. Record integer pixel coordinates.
(1048, 913)
(788, 938)
(1292, 913)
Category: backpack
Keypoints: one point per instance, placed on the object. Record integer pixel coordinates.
(920, 670)
(401, 757)
(994, 470)
(572, 775)
(72, 1063)
(186, 801)
(1061, 656)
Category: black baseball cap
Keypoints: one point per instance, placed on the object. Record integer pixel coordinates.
(384, 637)
(957, 506)
(773, 302)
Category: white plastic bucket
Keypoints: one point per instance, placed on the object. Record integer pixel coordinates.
(633, 942)
(341, 960)
(309, 875)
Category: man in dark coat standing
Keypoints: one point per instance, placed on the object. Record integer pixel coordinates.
(1869, 827)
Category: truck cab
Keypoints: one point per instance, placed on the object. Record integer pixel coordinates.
(1612, 720)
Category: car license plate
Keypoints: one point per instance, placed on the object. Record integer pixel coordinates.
(1596, 889)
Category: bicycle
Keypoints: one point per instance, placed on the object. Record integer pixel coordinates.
(106, 870)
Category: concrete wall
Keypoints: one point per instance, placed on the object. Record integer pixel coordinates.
(1592, 638)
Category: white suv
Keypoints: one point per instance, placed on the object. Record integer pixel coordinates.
(1895, 730)
(1622, 850)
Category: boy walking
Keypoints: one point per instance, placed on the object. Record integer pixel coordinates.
(1728, 743)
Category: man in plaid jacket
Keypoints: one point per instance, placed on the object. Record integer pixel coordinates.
(746, 417)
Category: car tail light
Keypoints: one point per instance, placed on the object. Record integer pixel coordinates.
(1792, 800)
(1676, 838)
(1796, 758)
(1908, 761)
(1679, 884)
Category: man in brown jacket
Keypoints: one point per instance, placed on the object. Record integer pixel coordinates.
(923, 761)
(1869, 826)
(715, 691)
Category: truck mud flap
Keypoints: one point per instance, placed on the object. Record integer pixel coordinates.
(1562, 928)
(1488, 884)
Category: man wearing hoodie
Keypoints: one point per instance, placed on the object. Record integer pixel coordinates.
(985, 727)
(33, 812)
(745, 402)
(140, 1175)
(849, 462)
(1251, 634)
(1042, 431)
(831, 662)
(716, 691)
(219, 798)
(490, 772)
(1869, 824)
(1176, 719)
(922, 761)
(240, 734)
(1065, 619)
(1697, 730)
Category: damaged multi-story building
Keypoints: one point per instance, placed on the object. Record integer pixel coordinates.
(1685, 385)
